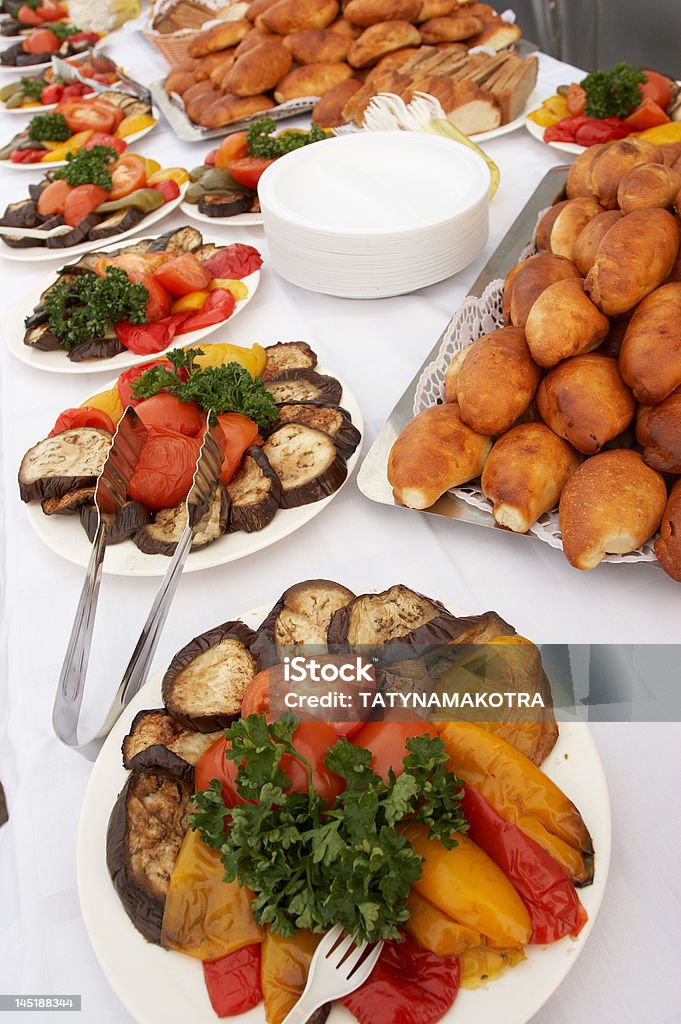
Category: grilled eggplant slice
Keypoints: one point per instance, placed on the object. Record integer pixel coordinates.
(21, 215)
(288, 355)
(63, 463)
(327, 417)
(161, 536)
(206, 681)
(182, 240)
(304, 386)
(85, 265)
(228, 204)
(69, 502)
(36, 188)
(121, 220)
(205, 252)
(157, 740)
(307, 462)
(80, 233)
(97, 348)
(41, 337)
(301, 616)
(145, 833)
(255, 493)
(131, 518)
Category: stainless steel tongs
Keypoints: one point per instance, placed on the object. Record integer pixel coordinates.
(111, 494)
(101, 63)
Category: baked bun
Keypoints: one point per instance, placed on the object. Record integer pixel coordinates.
(636, 256)
(564, 322)
(228, 108)
(525, 474)
(255, 38)
(646, 186)
(258, 70)
(668, 544)
(449, 29)
(377, 40)
(297, 15)
(579, 179)
(311, 80)
(590, 237)
(496, 381)
(370, 12)
(650, 357)
(528, 279)
(542, 234)
(434, 452)
(328, 111)
(436, 9)
(318, 44)
(571, 219)
(613, 162)
(585, 400)
(658, 431)
(220, 36)
(611, 505)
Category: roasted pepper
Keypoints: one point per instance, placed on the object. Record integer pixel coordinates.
(145, 199)
(72, 145)
(189, 303)
(238, 289)
(285, 963)
(434, 930)
(482, 964)
(109, 402)
(252, 359)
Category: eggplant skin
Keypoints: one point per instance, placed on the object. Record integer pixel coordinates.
(184, 239)
(304, 386)
(156, 739)
(288, 355)
(290, 448)
(34, 487)
(96, 348)
(80, 233)
(326, 416)
(158, 756)
(161, 535)
(254, 475)
(132, 517)
(300, 616)
(69, 503)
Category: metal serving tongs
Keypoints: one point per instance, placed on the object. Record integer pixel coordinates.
(110, 496)
(100, 63)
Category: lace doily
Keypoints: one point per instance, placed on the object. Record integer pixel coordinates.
(474, 318)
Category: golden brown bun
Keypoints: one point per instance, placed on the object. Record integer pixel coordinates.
(228, 108)
(484, 11)
(318, 44)
(671, 152)
(370, 12)
(434, 452)
(452, 373)
(328, 112)
(220, 37)
(258, 70)
(612, 504)
(668, 544)
(635, 256)
(392, 60)
(650, 357)
(675, 272)
(590, 237)
(542, 235)
(570, 222)
(525, 474)
(377, 40)
(254, 38)
(197, 89)
(496, 381)
(585, 400)
(311, 80)
(648, 185)
(528, 279)
(259, 7)
(498, 34)
(613, 162)
(449, 29)
(296, 15)
(206, 65)
(613, 343)
(199, 101)
(179, 81)
(564, 322)
(658, 431)
(579, 180)
(436, 9)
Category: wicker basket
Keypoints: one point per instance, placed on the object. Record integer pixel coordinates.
(174, 46)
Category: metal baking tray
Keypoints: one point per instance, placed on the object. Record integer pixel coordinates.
(372, 478)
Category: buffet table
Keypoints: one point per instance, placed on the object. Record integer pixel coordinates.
(376, 346)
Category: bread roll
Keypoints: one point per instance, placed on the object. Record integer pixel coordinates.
(650, 357)
(254, 38)
(259, 7)
(542, 235)
(297, 15)
(318, 44)
(221, 36)
(564, 322)
(436, 9)
(658, 431)
(311, 80)
(528, 279)
(613, 162)
(613, 342)
(258, 70)
(449, 29)
(199, 102)
(328, 111)
(668, 544)
(635, 256)
(571, 220)
(434, 452)
(228, 108)
(496, 381)
(611, 505)
(590, 237)
(585, 400)
(452, 373)
(525, 474)
(179, 81)
(648, 185)
(497, 34)
(579, 180)
(370, 12)
(206, 65)
(377, 40)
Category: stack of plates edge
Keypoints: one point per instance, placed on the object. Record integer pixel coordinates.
(375, 213)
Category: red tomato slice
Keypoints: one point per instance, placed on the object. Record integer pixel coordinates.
(217, 308)
(128, 174)
(387, 743)
(256, 700)
(234, 262)
(183, 275)
(82, 201)
(82, 115)
(128, 378)
(85, 416)
(169, 413)
(240, 433)
(576, 99)
(648, 114)
(27, 16)
(146, 339)
(158, 304)
(165, 470)
(105, 139)
(53, 198)
(210, 158)
(73, 90)
(249, 170)
(42, 40)
(657, 88)
(233, 981)
(168, 188)
(52, 94)
(234, 147)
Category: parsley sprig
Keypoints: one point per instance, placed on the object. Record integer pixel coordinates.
(312, 866)
(89, 167)
(87, 307)
(49, 126)
(32, 88)
(261, 142)
(613, 93)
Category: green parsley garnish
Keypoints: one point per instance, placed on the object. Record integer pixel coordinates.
(89, 167)
(49, 126)
(32, 88)
(227, 388)
(86, 308)
(63, 31)
(613, 93)
(312, 866)
(260, 142)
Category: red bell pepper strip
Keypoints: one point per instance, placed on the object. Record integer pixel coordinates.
(233, 981)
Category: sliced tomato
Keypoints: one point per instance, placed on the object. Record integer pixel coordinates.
(84, 416)
(168, 188)
(256, 700)
(42, 40)
(106, 139)
(240, 433)
(234, 261)
(88, 115)
(387, 743)
(249, 170)
(158, 304)
(133, 263)
(82, 201)
(27, 16)
(169, 413)
(217, 308)
(165, 470)
(210, 158)
(75, 89)
(657, 88)
(183, 275)
(576, 99)
(648, 114)
(128, 377)
(53, 198)
(234, 147)
(52, 93)
(128, 174)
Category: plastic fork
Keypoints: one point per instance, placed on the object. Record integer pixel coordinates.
(338, 967)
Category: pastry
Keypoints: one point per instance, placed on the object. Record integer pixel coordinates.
(311, 80)
(228, 108)
(450, 29)
(579, 179)
(569, 223)
(296, 15)
(650, 357)
(258, 70)
(590, 237)
(496, 381)
(528, 279)
(220, 36)
(318, 44)
(648, 185)
(564, 322)
(370, 12)
(328, 112)
(668, 544)
(613, 162)
(658, 431)
(377, 40)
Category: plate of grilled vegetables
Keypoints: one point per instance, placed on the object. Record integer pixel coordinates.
(484, 880)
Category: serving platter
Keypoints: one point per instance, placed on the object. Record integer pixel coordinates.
(242, 220)
(537, 132)
(156, 984)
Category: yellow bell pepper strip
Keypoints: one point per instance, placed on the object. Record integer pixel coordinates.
(285, 963)
(204, 916)
(238, 289)
(133, 124)
(151, 167)
(661, 134)
(71, 146)
(176, 174)
(434, 930)
(468, 886)
(543, 117)
(522, 794)
(109, 402)
(557, 104)
(190, 302)
(220, 354)
(482, 964)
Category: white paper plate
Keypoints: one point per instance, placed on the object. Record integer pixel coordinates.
(37, 254)
(66, 537)
(242, 220)
(59, 362)
(537, 132)
(533, 101)
(157, 985)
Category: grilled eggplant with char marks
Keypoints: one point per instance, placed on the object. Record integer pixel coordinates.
(121, 220)
(156, 740)
(307, 462)
(255, 493)
(206, 681)
(97, 348)
(181, 240)
(230, 204)
(304, 386)
(146, 829)
(80, 233)
(288, 355)
(161, 536)
(64, 463)
(327, 417)
(23, 214)
(69, 502)
(131, 518)
(301, 616)
(41, 337)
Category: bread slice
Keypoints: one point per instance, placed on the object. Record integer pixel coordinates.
(472, 110)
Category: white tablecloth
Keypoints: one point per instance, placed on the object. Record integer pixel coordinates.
(630, 972)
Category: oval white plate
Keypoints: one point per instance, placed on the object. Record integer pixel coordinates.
(242, 220)
(537, 132)
(157, 985)
(28, 68)
(37, 254)
(533, 101)
(59, 362)
(67, 537)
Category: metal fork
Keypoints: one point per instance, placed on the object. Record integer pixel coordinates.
(338, 967)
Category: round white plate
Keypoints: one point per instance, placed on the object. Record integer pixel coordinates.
(48, 165)
(66, 537)
(28, 68)
(242, 220)
(59, 362)
(37, 254)
(533, 101)
(158, 985)
(537, 132)
(42, 108)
